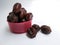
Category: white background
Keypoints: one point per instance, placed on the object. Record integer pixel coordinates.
(46, 12)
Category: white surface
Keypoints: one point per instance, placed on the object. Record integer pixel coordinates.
(46, 12)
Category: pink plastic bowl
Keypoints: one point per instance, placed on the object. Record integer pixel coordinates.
(19, 27)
